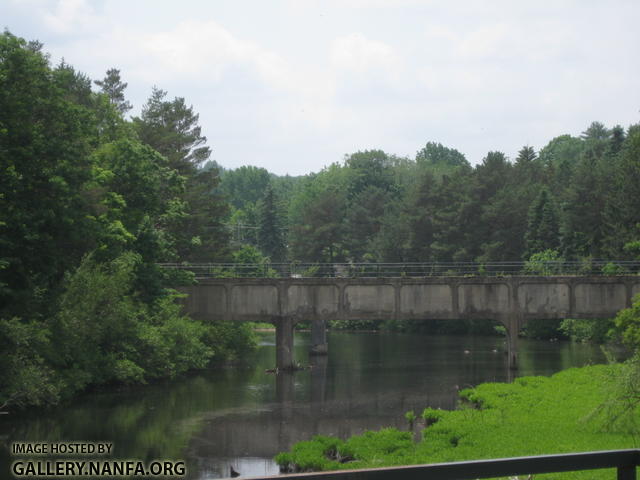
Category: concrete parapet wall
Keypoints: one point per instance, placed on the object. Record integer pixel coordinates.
(248, 299)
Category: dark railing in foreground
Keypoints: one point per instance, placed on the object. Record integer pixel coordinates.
(625, 461)
(430, 269)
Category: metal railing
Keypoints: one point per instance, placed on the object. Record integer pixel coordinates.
(417, 269)
(624, 461)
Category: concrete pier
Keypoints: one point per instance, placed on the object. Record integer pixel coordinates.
(319, 344)
(284, 344)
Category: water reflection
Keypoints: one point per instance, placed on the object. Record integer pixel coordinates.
(241, 417)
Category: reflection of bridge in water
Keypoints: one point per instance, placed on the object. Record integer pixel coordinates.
(268, 431)
(512, 300)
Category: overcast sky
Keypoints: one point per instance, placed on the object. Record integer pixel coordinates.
(293, 85)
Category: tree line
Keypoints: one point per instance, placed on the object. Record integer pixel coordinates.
(577, 198)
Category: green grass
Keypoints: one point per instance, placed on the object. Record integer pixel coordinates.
(531, 416)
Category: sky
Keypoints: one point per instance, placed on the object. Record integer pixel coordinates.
(295, 85)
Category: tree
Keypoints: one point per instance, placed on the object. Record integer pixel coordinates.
(583, 223)
(623, 200)
(244, 185)
(77, 188)
(476, 215)
(363, 221)
(270, 238)
(112, 86)
(392, 242)
(316, 216)
(559, 159)
(423, 206)
(543, 225)
(439, 158)
(370, 168)
(45, 143)
(171, 128)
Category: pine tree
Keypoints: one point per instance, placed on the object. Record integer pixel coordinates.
(270, 238)
(171, 128)
(543, 227)
(113, 87)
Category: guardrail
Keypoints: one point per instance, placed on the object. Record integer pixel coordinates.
(624, 461)
(424, 269)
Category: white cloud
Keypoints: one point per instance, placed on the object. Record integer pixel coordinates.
(357, 53)
(69, 16)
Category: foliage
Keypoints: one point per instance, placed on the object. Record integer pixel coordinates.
(627, 324)
(551, 410)
(432, 415)
(25, 378)
(90, 203)
(620, 411)
(587, 330)
(270, 238)
(543, 329)
(612, 268)
(112, 86)
(543, 225)
(251, 263)
(410, 417)
(547, 262)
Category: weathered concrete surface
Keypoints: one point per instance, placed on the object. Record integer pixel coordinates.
(313, 300)
(511, 300)
(254, 300)
(205, 301)
(376, 300)
(426, 299)
(485, 299)
(599, 298)
(544, 299)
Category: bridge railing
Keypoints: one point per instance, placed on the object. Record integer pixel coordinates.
(416, 269)
(624, 461)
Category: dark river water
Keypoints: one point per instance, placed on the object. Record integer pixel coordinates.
(242, 416)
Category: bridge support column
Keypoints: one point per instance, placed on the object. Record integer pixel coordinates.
(319, 344)
(284, 343)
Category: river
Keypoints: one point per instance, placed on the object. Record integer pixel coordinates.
(242, 416)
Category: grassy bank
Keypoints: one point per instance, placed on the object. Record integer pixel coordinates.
(531, 416)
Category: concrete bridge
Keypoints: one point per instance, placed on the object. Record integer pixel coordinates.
(512, 300)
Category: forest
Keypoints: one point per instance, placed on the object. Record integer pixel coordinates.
(93, 200)
(577, 198)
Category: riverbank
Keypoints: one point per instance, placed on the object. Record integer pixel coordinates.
(531, 416)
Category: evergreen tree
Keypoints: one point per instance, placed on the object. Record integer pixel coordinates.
(112, 86)
(270, 237)
(623, 202)
(171, 128)
(543, 225)
(363, 221)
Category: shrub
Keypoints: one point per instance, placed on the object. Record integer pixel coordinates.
(432, 415)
